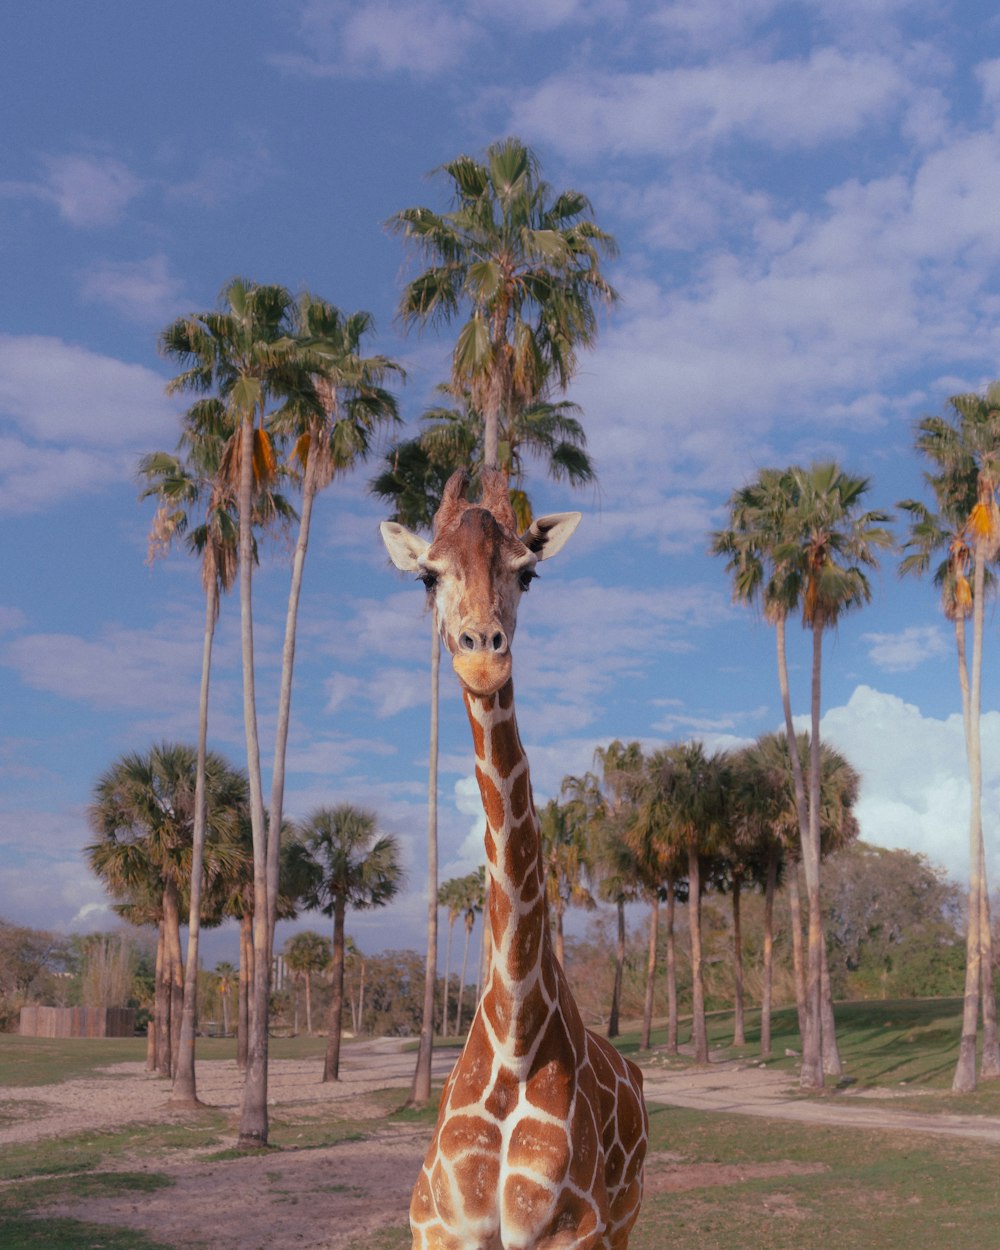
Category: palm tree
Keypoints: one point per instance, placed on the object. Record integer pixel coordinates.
(448, 898)
(305, 953)
(248, 352)
(612, 802)
(470, 900)
(347, 864)
(966, 451)
(330, 439)
(143, 815)
(833, 542)
(225, 978)
(688, 789)
(565, 865)
(797, 538)
(661, 866)
(523, 265)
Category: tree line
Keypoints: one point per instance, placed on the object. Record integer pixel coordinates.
(289, 397)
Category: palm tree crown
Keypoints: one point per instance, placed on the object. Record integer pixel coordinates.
(523, 263)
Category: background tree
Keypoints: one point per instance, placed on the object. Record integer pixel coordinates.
(966, 453)
(522, 264)
(225, 978)
(449, 898)
(469, 895)
(565, 864)
(689, 789)
(345, 863)
(143, 815)
(307, 953)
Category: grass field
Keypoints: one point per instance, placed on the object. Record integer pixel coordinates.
(717, 1182)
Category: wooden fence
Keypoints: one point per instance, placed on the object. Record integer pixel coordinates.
(77, 1022)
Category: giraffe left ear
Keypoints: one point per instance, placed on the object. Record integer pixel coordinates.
(549, 534)
(405, 549)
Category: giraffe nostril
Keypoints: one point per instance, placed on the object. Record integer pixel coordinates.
(467, 642)
(499, 641)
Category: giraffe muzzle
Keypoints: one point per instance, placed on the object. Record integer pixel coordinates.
(482, 659)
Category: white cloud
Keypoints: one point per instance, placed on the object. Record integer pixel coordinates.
(59, 392)
(144, 290)
(80, 418)
(897, 653)
(784, 104)
(914, 788)
(381, 36)
(87, 191)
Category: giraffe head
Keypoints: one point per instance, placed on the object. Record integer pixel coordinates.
(476, 569)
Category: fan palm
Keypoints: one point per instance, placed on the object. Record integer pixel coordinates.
(687, 794)
(329, 439)
(307, 952)
(470, 891)
(248, 353)
(522, 264)
(143, 814)
(966, 453)
(345, 863)
(185, 485)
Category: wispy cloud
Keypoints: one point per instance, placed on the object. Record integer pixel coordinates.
(899, 653)
(87, 191)
(145, 291)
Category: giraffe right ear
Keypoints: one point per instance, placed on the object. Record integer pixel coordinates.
(405, 549)
(548, 534)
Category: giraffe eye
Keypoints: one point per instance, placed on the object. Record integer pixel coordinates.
(429, 579)
(526, 577)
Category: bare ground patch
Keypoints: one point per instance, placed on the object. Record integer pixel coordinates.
(665, 1174)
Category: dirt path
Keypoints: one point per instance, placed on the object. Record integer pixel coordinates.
(357, 1193)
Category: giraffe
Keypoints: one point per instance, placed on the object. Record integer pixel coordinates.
(541, 1132)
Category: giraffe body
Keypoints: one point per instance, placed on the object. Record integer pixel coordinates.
(541, 1133)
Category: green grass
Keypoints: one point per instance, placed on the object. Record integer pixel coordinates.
(876, 1189)
(892, 1046)
(24, 1226)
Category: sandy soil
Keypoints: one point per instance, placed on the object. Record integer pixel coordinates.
(342, 1196)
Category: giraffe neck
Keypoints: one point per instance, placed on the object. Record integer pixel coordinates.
(523, 985)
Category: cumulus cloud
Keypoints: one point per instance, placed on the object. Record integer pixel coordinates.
(914, 787)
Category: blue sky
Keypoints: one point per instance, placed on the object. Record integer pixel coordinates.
(804, 196)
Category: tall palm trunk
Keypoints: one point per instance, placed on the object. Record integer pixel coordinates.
(185, 1087)
(965, 1070)
(616, 992)
(253, 1113)
(671, 969)
(802, 811)
(647, 1014)
(331, 1065)
(447, 974)
(811, 1075)
(309, 1004)
(768, 976)
(699, 1031)
(161, 1005)
(798, 953)
(174, 972)
(244, 991)
(285, 697)
(420, 1090)
(989, 1063)
(461, 983)
(739, 1024)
